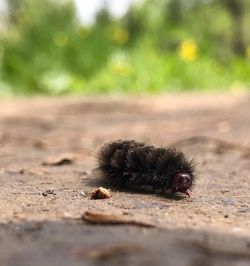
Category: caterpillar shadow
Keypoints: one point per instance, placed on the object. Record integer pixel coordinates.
(95, 180)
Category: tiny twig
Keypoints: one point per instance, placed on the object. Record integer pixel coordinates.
(111, 218)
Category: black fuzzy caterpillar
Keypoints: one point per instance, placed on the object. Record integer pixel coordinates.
(131, 163)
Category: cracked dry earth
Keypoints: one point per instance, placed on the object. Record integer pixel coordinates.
(47, 153)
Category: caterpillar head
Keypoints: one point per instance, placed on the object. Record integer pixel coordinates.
(182, 182)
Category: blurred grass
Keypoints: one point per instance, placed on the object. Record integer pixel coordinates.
(157, 47)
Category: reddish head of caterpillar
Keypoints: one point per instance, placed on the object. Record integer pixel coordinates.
(182, 182)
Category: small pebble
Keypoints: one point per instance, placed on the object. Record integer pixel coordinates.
(100, 193)
(49, 191)
(82, 193)
(241, 210)
(228, 201)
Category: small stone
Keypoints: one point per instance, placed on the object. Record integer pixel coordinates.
(242, 210)
(22, 171)
(82, 193)
(100, 193)
(49, 191)
(228, 201)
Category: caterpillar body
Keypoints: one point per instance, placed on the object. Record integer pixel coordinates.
(130, 163)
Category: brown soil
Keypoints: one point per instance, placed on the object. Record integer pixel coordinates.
(47, 155)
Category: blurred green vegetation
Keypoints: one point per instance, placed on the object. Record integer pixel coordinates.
(160, 45)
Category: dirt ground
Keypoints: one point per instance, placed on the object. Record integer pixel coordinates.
(41, 204)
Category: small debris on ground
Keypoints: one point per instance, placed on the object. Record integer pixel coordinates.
(49, 192)
(59, 160)
(82, 193)
(111, 218)
(100, 193)
(37, 171)
(40, 144)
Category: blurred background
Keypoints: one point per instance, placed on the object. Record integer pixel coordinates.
(123, 47)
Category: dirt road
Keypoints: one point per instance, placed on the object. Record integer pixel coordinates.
(41, 203)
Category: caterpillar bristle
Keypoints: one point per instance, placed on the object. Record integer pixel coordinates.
(130, 163)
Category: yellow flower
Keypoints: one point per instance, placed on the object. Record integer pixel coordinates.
(120, 65)
(60, 38)
(83, 32)
(248, 51)
(120, 68)
(188, 50)
(118, 35)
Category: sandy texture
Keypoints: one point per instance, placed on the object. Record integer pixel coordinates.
(47, 155)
